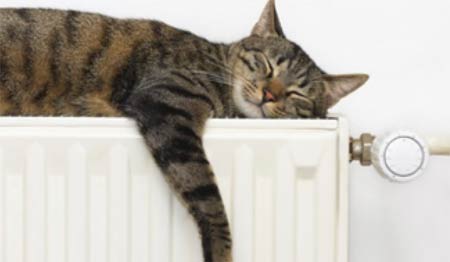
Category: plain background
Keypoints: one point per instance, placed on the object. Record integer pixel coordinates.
(404, 45)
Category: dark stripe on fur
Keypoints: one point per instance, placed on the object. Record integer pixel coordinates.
(202, 84)
(162, 51)
(185, 93)
(251, 49)
(27, 55)
(24, 14)
(71, 27)
(156, 29)
(247, 63)
(157, 43)
(198, 81)
(11, 31)
(178, 151)
(154, 113)
(199, 54)
(56, 45)
(202, 193)
(222, 225)
(187, 132)
(126, 77)
(225, 238)
(206, 243)
(219, 214)
(64, 96)
(185, 78)
(216, 84)
(43, 92)
(205, 233)
(125, 27)
(4, 68)
(165, 110)
(301, 74)
(97, 54)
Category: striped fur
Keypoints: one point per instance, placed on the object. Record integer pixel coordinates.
(69, 63)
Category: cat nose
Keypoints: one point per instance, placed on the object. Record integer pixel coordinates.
(268, 96)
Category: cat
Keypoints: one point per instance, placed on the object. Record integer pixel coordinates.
(69, 63)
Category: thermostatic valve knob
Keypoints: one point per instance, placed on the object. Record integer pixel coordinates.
(400, 156)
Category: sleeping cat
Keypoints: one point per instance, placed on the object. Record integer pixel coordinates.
(67, 63)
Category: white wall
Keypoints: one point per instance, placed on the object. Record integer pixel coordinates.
(404, 45)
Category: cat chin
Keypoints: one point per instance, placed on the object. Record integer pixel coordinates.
(250, 110)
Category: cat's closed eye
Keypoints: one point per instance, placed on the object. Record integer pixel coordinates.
(303, 84)
(265, 64)
(281, 60)
(295, 93)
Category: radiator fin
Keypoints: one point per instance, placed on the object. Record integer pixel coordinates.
(243, 192)
(78, 199)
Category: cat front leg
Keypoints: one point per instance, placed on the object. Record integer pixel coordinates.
(172, 127)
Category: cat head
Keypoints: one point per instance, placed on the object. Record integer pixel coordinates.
(274, 78)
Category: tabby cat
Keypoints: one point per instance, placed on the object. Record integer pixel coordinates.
(68, 63)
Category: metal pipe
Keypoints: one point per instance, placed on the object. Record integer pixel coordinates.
(439, 145)
(360, 149)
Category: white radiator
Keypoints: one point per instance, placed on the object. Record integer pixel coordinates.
(87, 190)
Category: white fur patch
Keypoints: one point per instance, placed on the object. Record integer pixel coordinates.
(248, 109)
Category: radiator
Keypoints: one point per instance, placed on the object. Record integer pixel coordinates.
(87, 190)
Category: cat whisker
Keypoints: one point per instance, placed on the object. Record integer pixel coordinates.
(279, 112)
(246, 92)
(249, 89)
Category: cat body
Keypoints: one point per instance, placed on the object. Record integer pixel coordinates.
(72, 63)
(68, 63)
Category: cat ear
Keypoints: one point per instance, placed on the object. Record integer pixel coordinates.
(268, 24)
(339, 86)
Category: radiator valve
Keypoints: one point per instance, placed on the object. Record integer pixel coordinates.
(361, 149)
(400, 156)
